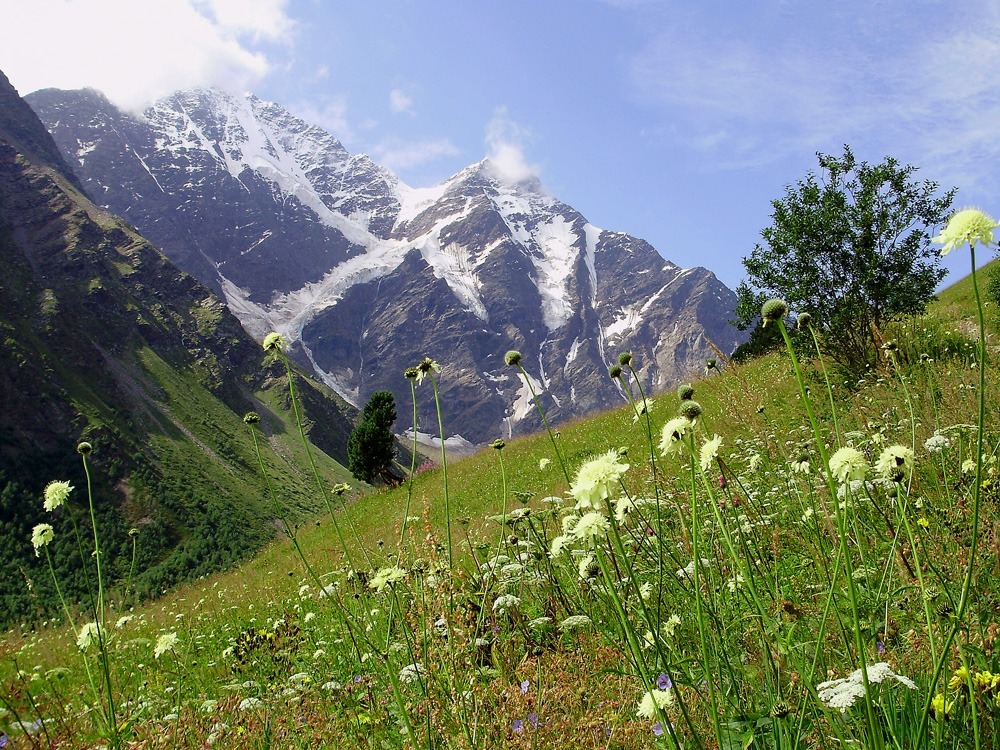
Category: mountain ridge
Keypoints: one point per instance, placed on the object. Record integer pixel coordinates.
(302, 237)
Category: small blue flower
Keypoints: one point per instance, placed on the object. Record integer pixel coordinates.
(533, 720)
(518, 726)
(657, 729)
(663, 682)
(524, 686)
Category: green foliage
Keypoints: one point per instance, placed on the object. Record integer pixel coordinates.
(851, 247)
(371, 448)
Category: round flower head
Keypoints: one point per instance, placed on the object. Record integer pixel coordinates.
(84, 448)
(56, 493)
(498, 444)
(513, 358)
(803, 321)
(625, 359)
(592, 527)
(615, 372)
(895, 462)
(164, 643)
(690, 409)
(970, 226)
(685, 392)
(385, 577)
(652, 701)
(672, 439)
(711, 364)
(274, 341)
(773, 310)
(847, 465)
(597, 480)
(425, 367)
(251, 417)
(410, 373)
(41, 535)
(87, 635)
(709, 451)
(340, 489)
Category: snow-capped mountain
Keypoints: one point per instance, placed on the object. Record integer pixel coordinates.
(368, 275)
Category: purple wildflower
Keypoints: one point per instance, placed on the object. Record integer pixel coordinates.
(657, 729)
(533, 720)
(663, 682)
(524, 686)
(518, 726)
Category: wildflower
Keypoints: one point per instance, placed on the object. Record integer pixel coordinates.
(385, 577)
(525, 685)
(588, 569)
(642, 407)
(623, 506)
(709, 451)
(773, 310)
(123, 621)
(56, 493)
(672, 439)
(780, 710)
(498, 444)
(711, 364)
(940, 708)
(895, 462)
(274, 341)
(803, 321)
(843, 693)
(41, 535)
(685, 392)
(249, 703)
(309, 616)
(847, 464)
(597, 480)
(340, 489)
(557, 545)
(970, 226)
(517, 726)
(84, 448)
(251, 417)
(959, 678)
(87, 635)
(411, 672)
(663, 682)
(936, 443)
(504, 602)
(410, 373)
(690, 409)
(801, 464)
(573, 622)
(625, 359)
(614, 372)
(512, 358)
(425, 367)
(164, 643)
(670, 625)
(968, 466)
(591, 527)
(653, 701)
(755, 461)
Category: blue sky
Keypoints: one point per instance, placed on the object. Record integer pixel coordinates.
(678, 122)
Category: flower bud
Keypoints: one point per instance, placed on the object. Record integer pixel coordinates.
(625, 359)
(685, 392)
(513, 358)
(690, 409)
(498, 444)
(804, 320)
(615, 372)
(251, 417)
(84, 448)
(773, 310)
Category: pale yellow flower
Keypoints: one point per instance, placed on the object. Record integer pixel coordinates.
(56, 493)
(709, 451)
(970, 225)
(597, 480)
(848, 464)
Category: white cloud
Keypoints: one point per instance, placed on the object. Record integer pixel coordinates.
(330, 115)
(397, 155)
(399, 102)
(137, 51)
(505, 141)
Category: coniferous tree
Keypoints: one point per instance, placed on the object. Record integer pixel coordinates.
(371, 447)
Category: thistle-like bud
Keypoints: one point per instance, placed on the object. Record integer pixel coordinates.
(512, 358)
(251, 417)
(84, 448)
(690, 409)
(685, 392)
(341, 489)
(780, 710)
(625, 359)
(498, 444)
(274, 341)
(711, 364)
(773, 310)
(804, 320)
(622, 451)
(615, 372)
(133, 532)
(410, 373)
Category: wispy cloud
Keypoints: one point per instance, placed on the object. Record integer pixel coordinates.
(399, 102)
(505, 144)
(331, 115)
(399, 155)
(924, 84)
(135, 52)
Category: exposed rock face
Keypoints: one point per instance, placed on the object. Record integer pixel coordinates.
(368, 275)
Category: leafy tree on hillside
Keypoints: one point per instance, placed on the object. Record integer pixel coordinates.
(371, 448)
(852, 247)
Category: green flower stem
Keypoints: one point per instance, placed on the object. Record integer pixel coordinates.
(872, 725)
(413, 465)
(963, 600)
(444, 469)
(545, 421)
(826, 378)
(315, 470)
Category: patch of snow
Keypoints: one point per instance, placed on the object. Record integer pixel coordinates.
(628, 319)
(523, 402)
(453, 444)
(255, 319)
(339, 385)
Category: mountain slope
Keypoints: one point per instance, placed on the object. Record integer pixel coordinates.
(107, 341)
(368, 275)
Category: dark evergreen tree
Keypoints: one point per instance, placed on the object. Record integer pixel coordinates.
(371, 447)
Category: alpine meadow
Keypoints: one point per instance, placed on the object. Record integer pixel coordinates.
(796, 546)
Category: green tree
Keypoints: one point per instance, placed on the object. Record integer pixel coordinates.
(852, 248)
(371, 448)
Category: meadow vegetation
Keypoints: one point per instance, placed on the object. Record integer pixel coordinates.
(779, 555)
